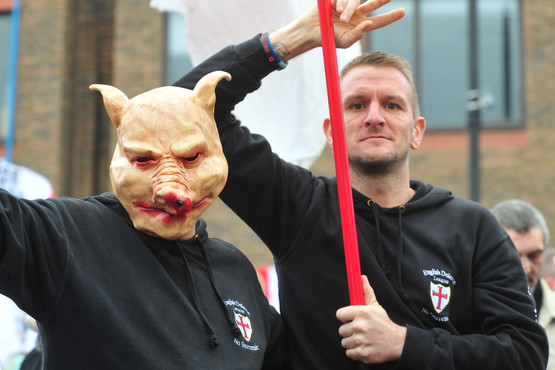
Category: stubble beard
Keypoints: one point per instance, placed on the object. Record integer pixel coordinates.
(369, 166)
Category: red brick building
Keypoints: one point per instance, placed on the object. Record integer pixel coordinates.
(63, 132)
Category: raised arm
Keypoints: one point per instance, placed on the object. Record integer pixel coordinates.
(351, 22)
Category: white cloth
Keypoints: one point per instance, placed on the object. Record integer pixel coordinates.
(15, 337)
(547, 320)
(269, 281)
(24, 182)
(291, 105)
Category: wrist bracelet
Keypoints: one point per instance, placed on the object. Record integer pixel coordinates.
(270, 53)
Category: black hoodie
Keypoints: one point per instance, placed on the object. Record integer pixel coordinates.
(107, 296)
(440, 265)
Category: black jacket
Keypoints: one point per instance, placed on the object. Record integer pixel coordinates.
(107, 296)
(442, 266)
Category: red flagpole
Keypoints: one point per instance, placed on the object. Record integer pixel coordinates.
(340, 154)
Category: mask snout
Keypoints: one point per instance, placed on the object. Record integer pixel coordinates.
(174, 199)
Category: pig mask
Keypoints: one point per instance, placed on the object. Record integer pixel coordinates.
(168, 165)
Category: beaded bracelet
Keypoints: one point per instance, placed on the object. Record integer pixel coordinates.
(270, 53)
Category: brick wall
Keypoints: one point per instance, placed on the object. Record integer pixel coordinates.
(63, 131)
(5, 5)
(40, 91)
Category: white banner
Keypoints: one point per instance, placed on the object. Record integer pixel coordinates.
(269, 281)
(291, 105)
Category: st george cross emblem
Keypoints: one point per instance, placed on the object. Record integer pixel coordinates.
(244, 324)
(440, 296)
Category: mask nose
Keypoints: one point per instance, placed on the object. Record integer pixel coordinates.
(171, 188)
(174, 200)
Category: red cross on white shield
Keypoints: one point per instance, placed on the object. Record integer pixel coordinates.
(244, 324)
(440, 296)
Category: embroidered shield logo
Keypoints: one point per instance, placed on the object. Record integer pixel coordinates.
(244, 324)
(440, 296)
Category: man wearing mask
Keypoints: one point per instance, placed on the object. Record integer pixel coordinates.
(131, 280)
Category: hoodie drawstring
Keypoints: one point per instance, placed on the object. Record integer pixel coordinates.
(231, 319)
(402, 292)
(381, 259)
(212, 340)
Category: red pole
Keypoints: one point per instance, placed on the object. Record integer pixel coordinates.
(340, 154)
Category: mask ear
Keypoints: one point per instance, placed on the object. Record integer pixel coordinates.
(114, 101)
(204, 89)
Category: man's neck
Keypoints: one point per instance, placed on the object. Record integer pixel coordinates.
(386, 190)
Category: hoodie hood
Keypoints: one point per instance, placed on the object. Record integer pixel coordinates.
(426, 196)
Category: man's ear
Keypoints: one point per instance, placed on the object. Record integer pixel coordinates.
(327, 131)
(418, 132)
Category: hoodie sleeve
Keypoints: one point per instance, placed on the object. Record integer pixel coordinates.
(276, 357)
(30, 265)
(261, 188)
(247, 65)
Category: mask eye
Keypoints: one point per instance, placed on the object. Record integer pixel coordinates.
(192, 158)
(143, 161)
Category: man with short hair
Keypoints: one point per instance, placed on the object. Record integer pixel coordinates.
(528, 230)
(448, 289)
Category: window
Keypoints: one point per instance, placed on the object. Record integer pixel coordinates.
(177, 56)
(434, 37)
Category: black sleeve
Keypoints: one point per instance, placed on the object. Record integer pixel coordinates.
(32, 252)
(276, 357)
(263, 190)
(246, 61)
